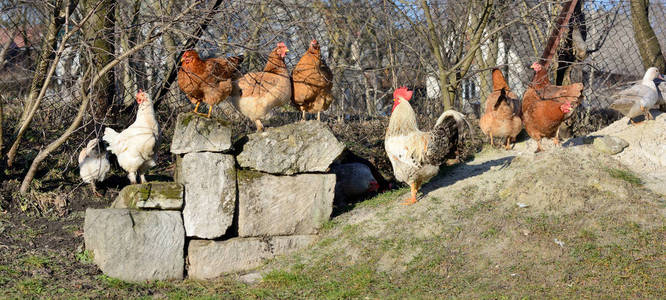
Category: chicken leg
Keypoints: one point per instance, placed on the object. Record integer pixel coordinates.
(143, 178)
(302, 116)
(197, 107)
(260, 127)
(508, 143)
(94, 189)
(492, 143)
(319, 116)
(414, 189)
(132, 177)
(539, 149)
(210, 109)
(646, 112)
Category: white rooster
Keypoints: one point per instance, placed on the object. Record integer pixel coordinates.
(93, 164)
(135, 146)
(414, 154)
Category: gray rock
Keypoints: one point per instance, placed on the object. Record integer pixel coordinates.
(251, 278)
(210, 193)
(209, 259)
(283, 205)
(194, 133)
(610, 144)
(151, 195)
(134, 245)
(291, 149)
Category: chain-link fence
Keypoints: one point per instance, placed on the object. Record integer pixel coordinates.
(372, 47)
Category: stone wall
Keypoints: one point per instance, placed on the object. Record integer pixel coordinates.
(228, 219)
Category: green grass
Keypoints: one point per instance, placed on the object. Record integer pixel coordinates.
(384, 198)
(625, 175)
(34, 261)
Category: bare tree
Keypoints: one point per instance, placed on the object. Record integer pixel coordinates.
(99, 33)
(648, 45)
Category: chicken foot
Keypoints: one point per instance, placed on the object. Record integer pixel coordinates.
(303, 116)
(414, 189)
(508, 143)
(646, 111)
(492, 143)
(196, 110)
(94, 189)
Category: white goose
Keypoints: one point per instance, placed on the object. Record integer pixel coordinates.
(638, 99)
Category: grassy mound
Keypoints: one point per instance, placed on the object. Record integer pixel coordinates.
(588, 228)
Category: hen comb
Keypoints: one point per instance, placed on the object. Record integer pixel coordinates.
(281, 44)
(402, 92)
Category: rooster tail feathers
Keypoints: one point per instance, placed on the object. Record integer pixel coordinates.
(459, 118)
(109, 135)
(498, 80)
(445, 137)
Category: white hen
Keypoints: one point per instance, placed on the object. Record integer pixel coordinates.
(93, 164)
(638, 99)
(135, 146)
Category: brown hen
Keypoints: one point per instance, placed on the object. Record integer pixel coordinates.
(208, 81)
(257, 93)
(502, 115)
(546, 106)
(312, 80)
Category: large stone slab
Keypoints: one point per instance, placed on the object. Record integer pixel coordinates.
(291, 149)
(210, 193)
(151, 195)
(283, 205)
(194, 133)
(209, 259)
(134, 245)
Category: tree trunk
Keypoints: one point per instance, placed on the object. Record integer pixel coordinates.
(648, 45)
(46, 57)
(99, 33)
(435, 47)
(127, 39)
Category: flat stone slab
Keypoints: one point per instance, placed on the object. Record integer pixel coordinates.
(210, 193)
(195, 133)
(610, 144)
(210, 259)
(151, 195)
(134, 245)
(272, 205)
(294, 148)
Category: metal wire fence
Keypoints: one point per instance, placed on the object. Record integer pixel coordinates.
(372, 47)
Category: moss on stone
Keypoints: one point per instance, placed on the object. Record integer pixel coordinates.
(247, 175)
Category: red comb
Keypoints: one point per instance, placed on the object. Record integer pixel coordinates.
(281, 44)
(402, 92)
